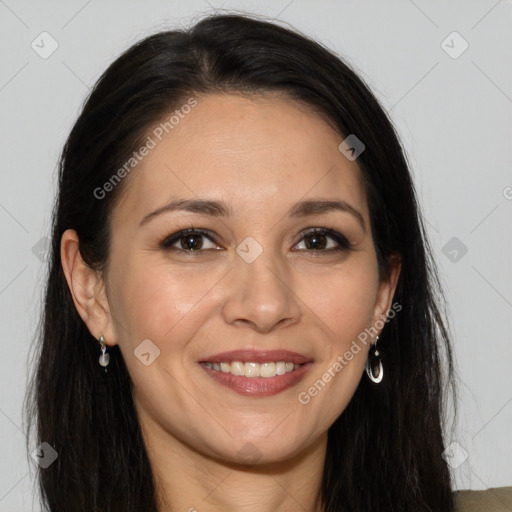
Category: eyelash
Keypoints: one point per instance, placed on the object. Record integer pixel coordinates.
(343, 243)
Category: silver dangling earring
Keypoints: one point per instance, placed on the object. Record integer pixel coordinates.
(374, 364)
(104, 358)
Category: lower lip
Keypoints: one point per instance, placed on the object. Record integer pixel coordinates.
(258, 386)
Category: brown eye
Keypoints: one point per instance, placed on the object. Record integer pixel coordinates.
(188, 240)
(324, 240)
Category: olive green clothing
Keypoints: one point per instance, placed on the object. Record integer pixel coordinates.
(496, 499)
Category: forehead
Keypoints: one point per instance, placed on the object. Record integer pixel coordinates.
(254, 153)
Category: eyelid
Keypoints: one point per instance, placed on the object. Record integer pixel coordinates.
(171, 239)
(342, 241)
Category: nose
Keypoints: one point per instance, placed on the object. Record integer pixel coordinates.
(260, 295)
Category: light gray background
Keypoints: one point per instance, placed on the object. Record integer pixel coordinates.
(454, 117)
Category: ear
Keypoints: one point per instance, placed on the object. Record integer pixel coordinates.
(87, 289)
(387, 289)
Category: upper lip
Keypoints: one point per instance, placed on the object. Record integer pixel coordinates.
(257, 356)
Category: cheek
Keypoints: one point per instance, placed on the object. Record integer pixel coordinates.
(158, 301)
(345, 300)
(344, 304)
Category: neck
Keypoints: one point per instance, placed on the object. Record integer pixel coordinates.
(188, 481)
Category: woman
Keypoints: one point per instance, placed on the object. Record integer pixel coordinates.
(242, 312)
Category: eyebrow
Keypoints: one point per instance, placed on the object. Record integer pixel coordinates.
(221, 209)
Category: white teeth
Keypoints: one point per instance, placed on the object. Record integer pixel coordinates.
(281, 368)
(236, 368)
(267, 369)
(250, 369)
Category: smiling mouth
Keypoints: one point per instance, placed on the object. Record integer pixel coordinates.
(252, 369)
(257, 373)
(257, 379)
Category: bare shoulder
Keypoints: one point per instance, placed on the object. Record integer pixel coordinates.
(495, 499)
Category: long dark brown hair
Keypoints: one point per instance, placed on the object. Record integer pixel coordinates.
(384, 451)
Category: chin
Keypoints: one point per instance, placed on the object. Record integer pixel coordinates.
(258, 451)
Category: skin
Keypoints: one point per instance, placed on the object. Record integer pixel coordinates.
(260, 156)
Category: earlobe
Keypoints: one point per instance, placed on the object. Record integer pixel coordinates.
(86, 287)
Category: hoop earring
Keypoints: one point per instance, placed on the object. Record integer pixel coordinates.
(104, 359)
(374, 367)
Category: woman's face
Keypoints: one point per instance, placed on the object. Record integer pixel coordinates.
(251, 284)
